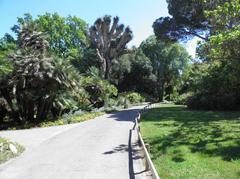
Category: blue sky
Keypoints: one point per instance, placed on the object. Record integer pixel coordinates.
(138, 14)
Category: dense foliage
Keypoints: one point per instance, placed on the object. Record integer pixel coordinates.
(220, 87)
(99, 90)
(188, 20)
(67, 36)
(169, 62)
(44, 72)
(29, 91)
(133, 72)
(212, 82)
(7, 44)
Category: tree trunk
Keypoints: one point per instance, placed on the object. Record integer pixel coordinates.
(161, 82)
(44, 108)
(161, 91)
(30, 110)
(40, 109)
(103, 69)
(108, 68)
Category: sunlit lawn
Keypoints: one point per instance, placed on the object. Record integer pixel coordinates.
(193, 144)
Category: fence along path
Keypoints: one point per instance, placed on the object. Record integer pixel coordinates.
(146, 147)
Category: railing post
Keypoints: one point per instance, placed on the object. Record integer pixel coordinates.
(147, 147)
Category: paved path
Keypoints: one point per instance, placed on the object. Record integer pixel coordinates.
(95, 149)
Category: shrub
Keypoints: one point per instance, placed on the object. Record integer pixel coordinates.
(212, 102)
(133, 97)
(99, 90)
(182, 99)
(148, 97)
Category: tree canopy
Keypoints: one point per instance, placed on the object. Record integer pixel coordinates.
(188, 20)
(67, 36)
(169, 60)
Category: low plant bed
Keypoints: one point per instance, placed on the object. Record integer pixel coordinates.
(62, 121)
(9, 150)
(72, 119)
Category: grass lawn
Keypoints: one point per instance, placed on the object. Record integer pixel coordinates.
(193, 144)
(5, 152)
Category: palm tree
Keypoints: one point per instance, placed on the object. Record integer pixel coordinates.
(31, 88)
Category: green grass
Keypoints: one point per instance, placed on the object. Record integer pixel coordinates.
(193, 144)
(5, 152)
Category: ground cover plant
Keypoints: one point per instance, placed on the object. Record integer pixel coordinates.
(5, 150)
(67, 119)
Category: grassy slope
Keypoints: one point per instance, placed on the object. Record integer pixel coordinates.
(193, 144)
(5, 152)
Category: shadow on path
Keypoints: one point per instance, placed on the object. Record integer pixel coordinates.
(124, 116)
(132, 154)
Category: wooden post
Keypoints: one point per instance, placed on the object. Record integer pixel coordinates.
(139, 117)
(148, 147)
(139, 140)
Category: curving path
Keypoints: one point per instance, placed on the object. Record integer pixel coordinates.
(102, 148)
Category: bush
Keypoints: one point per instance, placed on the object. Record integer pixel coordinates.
(182, 99)
(99, 91)
(112, 102)
(148, 97)
(133, 97)
(212, 102)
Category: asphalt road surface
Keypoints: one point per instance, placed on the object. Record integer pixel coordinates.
(101, 148)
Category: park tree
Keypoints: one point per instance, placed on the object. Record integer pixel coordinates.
(219, 87)
(30, 89)
(67, 36)
(188, 20)
(133, 72)
(224, 44)
(109, 40)
(169, 61)
(7, 45)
